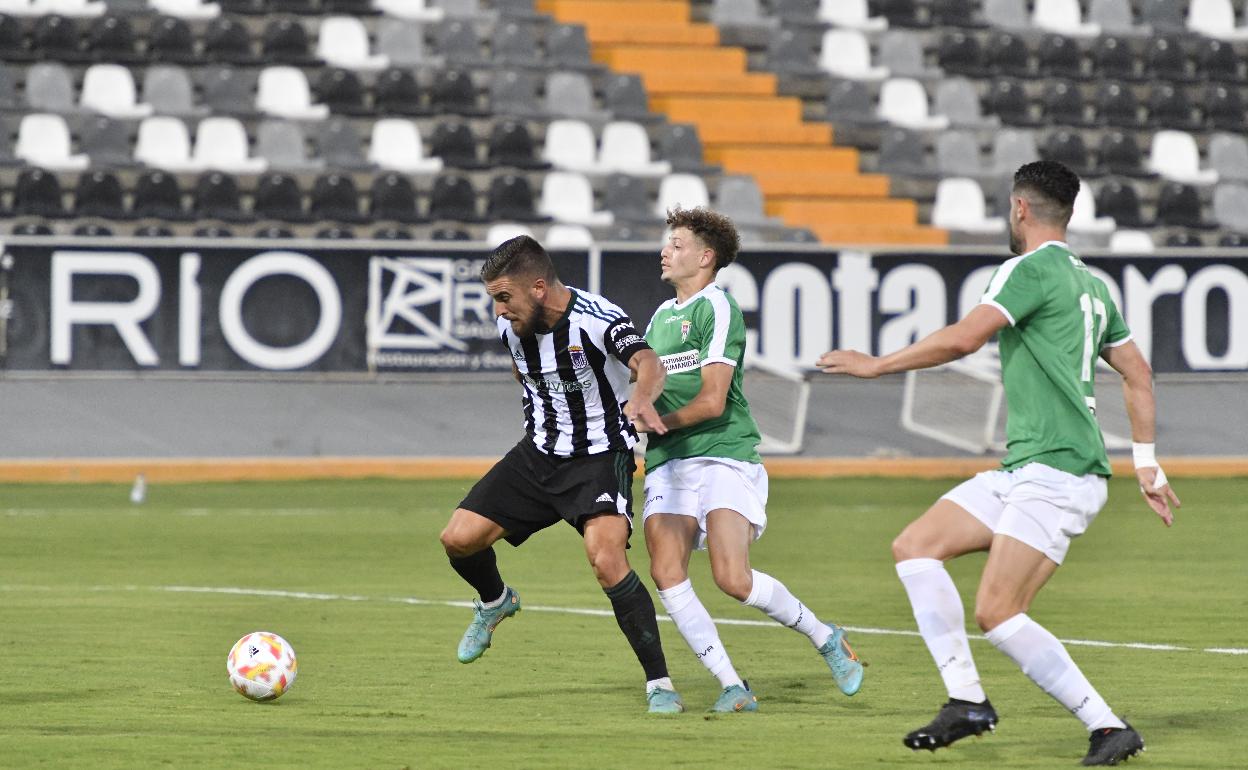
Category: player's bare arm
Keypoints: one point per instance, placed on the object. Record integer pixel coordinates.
(710, 401)
(940, 347)
(649, 376)
(1137, 390)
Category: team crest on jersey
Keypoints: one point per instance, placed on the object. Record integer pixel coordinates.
(685, 326)
(578, 356)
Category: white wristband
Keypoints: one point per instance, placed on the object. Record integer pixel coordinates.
(1145, 455)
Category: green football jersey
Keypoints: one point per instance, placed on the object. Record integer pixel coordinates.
(1061, 317)
(707, 328)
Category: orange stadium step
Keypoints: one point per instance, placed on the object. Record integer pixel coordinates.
(838, 160)
(719, 133)
(649, 58)
(850, 234)
(876, 211)
(597, 11)
(670, 83)
(818, 183)
(695, 109)
(633, 33)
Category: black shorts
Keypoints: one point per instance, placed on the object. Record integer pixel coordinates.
(529, 490)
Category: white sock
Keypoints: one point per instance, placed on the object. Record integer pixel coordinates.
(664, 683)
(942, 623)
(1045, 661)
(770, 596)
(695, 624)
(497, 602)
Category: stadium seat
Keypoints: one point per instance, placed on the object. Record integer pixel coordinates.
(851, 14)
(680, 145)
(792, 51)
(625, 97)
(957, 13)
(957, 154)
(111, 39)
(904, 13)
(470, 9)
(49, 88)
(1008, 100)
(227, 90)
(570, 145)
(514, 94)
(341, 91)
(1230, 205)
(796, 11)
(109, 89)
(404, 43)
(684, 190)
(285, 41)
(1184, 240)
(1114, 17)
(457, 42)
(1116, 105)
(105, 141)
(410, 10)
(739, 198)
(626, 198)
(281, 143)
(496, 234)
(1063, 105)
(850, 101)
(1012, 148)
(570, 95)
(43, 140)
(1228, 153)
(453, 198)
(741, 13)
(903, 102)
(1112, 58)
(169, 91)
(562, 236)
(1009, 54)
(510, 197)
(221, 145)
(1060, 57)
(1178, 205)
(1165, 17)
(1214, 18)
(278, 197)
(626, 147)
(453, 92)
(340, 144)
(515, 44)
(334, 198)
(1233, 240)
(192, 10)
(55, 38)
(568, 197)
(1224, 107)
(567, 47)
(845, 53)
(901, 54)
(1119, 200)
(1131, 242)
(164, 142)
(216, 196)
(455, 144)
(343, 42)
(82, 9)
(960, 205)
(902, 152)
(1063, 17)
(961, 53)
(392, 198)
(958, 99)
(1175, 156)
(1084, 219)
(396, 145)
(1007, 14)
(1120, 154)
(99, 194)
(511, 144)
(396, 92)
(38, 193)
(1218, 61)
(1165, 59)
(1170, 107)
(284, 92)
(227, 41)
(158, 196)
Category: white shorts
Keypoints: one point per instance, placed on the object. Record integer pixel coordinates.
(1039, 505)
(695, 486)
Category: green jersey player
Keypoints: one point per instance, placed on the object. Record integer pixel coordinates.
(1054, 318)
(705, 483)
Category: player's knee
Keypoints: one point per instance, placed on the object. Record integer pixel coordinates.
(735, 582)
(990, 613)
(609, 564)
(455, 542)
(907, 546)
(666, 575)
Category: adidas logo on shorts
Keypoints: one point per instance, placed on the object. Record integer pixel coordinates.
(605, 498)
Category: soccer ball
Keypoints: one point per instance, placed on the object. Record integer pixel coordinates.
(262, 666)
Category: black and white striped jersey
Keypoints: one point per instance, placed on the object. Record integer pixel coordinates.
(576, 378)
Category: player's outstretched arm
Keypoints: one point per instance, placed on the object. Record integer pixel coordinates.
(939, 347)
(1137, 390)
(649, 376)
(711, 399)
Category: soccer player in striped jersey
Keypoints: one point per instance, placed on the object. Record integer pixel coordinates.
(573, 354)
(1055, 318)
(705, 483)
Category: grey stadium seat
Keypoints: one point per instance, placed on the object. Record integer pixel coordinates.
(168, 88)
(50, 88)
(340, 145)
(281, 143)
(570, 94)
(1228, 153)
(739, 198)
(404, 42)
(957, 98)
(957, 154)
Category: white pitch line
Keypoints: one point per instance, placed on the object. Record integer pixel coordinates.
(607, 613)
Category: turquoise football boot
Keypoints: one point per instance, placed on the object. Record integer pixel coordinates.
(477, 638)
(840, 657)
(736, 698)
(664, 701)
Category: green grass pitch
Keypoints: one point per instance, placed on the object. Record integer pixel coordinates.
(104, 665)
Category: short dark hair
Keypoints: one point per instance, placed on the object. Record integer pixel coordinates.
(521, 256)
(1051, 189)
(715, 230)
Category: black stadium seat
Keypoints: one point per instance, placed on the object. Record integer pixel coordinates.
(216, 196)
(1120, 154)
(1116, 105)
(393, 199)
(1119, 199)
(510, 197)
(1224, 107)
(1113, 58)
(38, 193)
(1170, 106)
(334, 197)
(396, 92)
(99, 194)
(342, 90)
(285, 41)
(1009, 55)
(278, 196)
(454, 142)
(1059, 56)
(511, 144)
(158, 196)
(1165, 59)
(227, 41)
(453, 198)
(111, 39)
(1063, 104)
(1178, 205)
(170, 40)
(960, 53)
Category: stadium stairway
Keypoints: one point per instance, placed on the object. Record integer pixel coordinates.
(745, 126)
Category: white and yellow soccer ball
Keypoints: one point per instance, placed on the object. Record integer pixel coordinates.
(262, 666)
